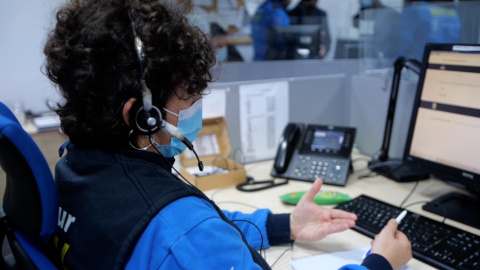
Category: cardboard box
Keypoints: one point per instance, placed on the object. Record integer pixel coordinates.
(213, 148)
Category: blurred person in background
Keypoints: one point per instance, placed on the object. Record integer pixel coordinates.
(307, 12)
(224, 51)
(269, 13)
(424, 22)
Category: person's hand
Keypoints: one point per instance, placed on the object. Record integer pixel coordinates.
(322, 50)
(311, 222)
(393, 245)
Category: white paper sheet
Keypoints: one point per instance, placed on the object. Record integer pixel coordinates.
(214, 103)
(263, 116)
(333, 260)
(205, 145)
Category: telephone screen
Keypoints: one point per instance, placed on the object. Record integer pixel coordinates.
(328, 140)
(325, 139)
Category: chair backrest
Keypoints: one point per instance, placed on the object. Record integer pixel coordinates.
(30, 201)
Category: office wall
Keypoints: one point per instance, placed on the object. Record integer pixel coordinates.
(369, 101)
(23, 31)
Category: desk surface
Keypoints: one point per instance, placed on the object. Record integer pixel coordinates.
(231, 199)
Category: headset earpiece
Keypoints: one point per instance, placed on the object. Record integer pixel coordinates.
(145, 122)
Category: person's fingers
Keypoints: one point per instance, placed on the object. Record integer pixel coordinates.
(391, 226)
(340, 225)
(400, 235)
(313, 190)
(341, 214)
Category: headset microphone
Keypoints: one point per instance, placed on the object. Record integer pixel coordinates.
(173, 131)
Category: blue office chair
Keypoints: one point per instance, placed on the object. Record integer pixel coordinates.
(30, 202)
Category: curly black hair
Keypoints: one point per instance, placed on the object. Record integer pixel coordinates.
(90, 54)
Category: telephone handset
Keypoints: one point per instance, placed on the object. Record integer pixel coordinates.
(285, 147)
(307, 152)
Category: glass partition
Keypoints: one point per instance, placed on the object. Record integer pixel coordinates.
(328, 30)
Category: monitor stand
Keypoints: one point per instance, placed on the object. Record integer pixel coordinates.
(459, 207)
(401, 172)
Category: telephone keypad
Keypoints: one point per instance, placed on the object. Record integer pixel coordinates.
(331, 170)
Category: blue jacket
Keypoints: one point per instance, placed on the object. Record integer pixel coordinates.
(270, 13)
(200, 240)
(127, 210)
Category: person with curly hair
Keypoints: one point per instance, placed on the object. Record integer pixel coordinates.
(132, 75)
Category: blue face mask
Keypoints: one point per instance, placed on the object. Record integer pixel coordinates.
(189, 123)
(222, 54)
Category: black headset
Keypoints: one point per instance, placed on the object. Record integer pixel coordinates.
(146, 118)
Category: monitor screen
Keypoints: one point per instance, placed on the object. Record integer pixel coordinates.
(446, 120)
(294, 42)
(444, 134)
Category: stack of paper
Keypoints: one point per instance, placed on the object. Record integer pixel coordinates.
(49, 122)
(333, 260)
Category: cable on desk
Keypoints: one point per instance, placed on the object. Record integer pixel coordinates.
(370, 174)
(445, 211)
(281, 255)
(216, 191)
(409, 194)
(253, 185)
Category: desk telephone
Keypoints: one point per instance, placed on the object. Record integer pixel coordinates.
(307, 152)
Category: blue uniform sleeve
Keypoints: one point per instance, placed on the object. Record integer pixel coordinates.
(371, 262)
(262, 228)
(224, 250)
(189, 234)
(253, 226)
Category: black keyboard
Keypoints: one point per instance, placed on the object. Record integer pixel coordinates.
(435, 243)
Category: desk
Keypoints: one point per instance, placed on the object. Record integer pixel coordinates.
(231, 199)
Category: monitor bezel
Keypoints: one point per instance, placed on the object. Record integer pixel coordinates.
(455, 176)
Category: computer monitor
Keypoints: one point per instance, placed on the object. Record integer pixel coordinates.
(294, 42)
(444, 133)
